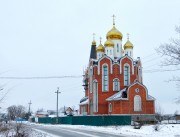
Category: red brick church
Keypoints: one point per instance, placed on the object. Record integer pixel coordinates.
(113, 80)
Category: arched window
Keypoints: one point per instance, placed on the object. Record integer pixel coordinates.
(95, 96)
(110, 52)
(126, 75)
(139, 74)
(117, 47)
(105, 78)
(137, 103)
(116, 85)
(91, 81)
(126, 53)
(110, 107)
(107, 51)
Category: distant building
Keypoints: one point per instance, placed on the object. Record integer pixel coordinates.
(113, 80)
(51, 112)
(41, 114)
(67, 111)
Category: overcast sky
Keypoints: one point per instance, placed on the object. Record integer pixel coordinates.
(40, 38)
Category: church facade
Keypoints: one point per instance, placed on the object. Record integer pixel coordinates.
(113, 81)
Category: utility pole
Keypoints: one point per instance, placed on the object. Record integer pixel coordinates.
(29, 112)
(57, 92)
(30, 106)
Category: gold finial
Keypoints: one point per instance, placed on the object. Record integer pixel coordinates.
(127, 36)
(100, 39)
(113, 19)
(94, 36)
(94, 42)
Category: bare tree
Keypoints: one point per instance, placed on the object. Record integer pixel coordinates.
(171, 51)
(3, 93)
(159, 113)
(16, 111)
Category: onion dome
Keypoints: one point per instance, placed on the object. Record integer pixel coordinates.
(109, 43)
(94, 43)
(114, 34)
(128, 45)
(100, 48)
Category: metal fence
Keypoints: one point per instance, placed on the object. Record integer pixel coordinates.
(86, 120)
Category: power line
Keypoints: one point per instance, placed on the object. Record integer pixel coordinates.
(45, 77)
(159, 70)
(150, 55)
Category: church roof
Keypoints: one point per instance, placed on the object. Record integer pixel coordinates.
(93, 52)
(117, 96)
(151, 98)
(84, 100)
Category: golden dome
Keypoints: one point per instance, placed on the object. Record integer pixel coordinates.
(94, 42)
(128, 45)
(100, 48)
(114, 34)
(109, 43)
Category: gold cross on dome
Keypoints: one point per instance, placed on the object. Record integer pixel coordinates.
(113, 19)
(94, 36)
(127, 36)
(100, 39)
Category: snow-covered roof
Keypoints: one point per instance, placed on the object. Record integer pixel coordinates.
(42, 113)
(150, 97)
(84, 101)
(117, 96)
(52, 116)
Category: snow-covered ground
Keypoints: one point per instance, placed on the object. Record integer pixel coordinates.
(165, 130)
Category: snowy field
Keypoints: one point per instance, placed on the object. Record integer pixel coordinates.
(165, 130)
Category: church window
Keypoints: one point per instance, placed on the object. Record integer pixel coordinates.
(95, 96)
(116, 85)
(110, 107)
(130, 53)
(117, 47)
(137, 90)
(110, 52)
(91, 81)
(126, 75)
(127, 53)
(137, 103)
(105, 78)
(107, 51)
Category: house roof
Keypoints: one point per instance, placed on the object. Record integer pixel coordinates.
(42, 113)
